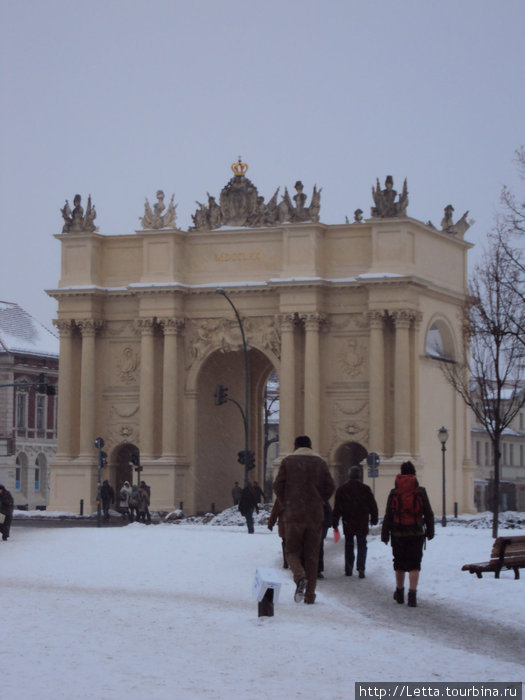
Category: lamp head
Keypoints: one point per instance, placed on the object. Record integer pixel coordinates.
(442, 435)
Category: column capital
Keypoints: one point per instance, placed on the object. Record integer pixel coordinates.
(145, 326)
(375, 318)
(313, 320)
(89, 326)
(403, 317)
(64, 327)
(171, 325)
(287, 321)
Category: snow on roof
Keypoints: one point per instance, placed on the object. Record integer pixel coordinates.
(20, 332)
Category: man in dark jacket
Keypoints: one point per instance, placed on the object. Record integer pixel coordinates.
(6, 508)
(247, 504)
(355, 504)
(303, 485)
(408, 521)
(107, 496)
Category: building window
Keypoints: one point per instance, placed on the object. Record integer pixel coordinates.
(487, 460)
(478, 453)
(17, 479)
(40, 415)
(511, 455)
(37, 478)
(504, 457)
(21, 403)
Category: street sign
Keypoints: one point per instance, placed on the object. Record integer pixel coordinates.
(372, 459)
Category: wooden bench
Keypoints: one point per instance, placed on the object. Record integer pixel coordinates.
(507, 553)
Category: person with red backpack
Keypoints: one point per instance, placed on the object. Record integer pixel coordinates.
(408, 522)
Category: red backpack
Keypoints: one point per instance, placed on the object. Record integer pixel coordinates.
(407, 502)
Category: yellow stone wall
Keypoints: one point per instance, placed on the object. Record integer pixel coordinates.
(341, 312)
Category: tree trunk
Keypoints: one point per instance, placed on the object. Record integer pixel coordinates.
(495, 502)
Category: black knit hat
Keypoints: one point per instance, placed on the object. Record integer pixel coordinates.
(408, 468)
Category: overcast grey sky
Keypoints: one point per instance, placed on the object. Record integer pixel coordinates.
(120, 98)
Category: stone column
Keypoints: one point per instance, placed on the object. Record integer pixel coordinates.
(147, 387)
(312, 377)
(88, 328)
(376, 382)
(287, 384)
(170, 387)
(65, 393)
(402, 403)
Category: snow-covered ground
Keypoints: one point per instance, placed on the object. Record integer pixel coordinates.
(167, 611)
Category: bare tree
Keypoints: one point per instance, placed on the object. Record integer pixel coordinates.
(487, 374)
(510, 231)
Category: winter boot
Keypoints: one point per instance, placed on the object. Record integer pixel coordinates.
(399, 595)
(412, 603)
(300, 590)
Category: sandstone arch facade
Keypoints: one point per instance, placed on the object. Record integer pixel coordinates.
(341, 313)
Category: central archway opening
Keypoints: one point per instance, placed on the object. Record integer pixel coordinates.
(220, 428)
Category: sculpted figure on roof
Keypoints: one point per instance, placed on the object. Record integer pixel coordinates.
(154, 217)
(76, 220)
(385, 200)
(241, 205)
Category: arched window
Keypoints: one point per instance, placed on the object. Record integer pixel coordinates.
(440, 342)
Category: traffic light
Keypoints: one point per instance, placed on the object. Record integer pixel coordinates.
(240, 457)
(221, 394)
(135, 458)
(103, 459)
(43, 387)
(41, 384)
(251, 461)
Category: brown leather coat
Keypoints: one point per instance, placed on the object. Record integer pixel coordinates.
(302, 485)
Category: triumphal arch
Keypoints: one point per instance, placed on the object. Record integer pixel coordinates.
(354, 319)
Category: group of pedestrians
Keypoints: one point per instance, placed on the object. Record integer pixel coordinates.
(303, 487)
(134, 502)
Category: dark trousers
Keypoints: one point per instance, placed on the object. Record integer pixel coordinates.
(5, 528)
(349, 552)
(303, 540)
(249, 521)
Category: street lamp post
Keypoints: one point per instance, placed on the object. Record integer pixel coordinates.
(99, 444)
(443, 437)
(246, 388)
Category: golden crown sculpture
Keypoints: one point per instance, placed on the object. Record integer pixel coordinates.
(239, 168)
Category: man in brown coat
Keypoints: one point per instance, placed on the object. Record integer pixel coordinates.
(302, 485)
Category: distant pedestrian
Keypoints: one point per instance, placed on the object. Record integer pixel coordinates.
(408, 521)
(134, 503)
(107, 496)
(144, 501)
(302, 485)
(7, 505)
(356, 505)
(277, 516)
(124, 494)
(236, 493)
(247, 504)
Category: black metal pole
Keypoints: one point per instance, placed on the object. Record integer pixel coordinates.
(443, 516)
(246, 388)
(99, 444)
